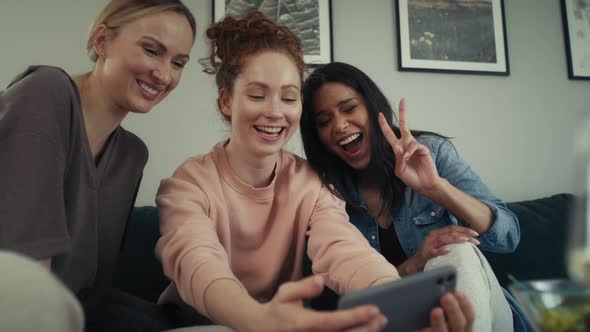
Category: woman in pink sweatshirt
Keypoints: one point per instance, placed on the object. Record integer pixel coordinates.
(234, 221)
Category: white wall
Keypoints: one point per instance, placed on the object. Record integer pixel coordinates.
(516, 131)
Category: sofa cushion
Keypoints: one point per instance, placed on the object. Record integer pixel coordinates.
(542, 248)
(138, 271)
(540, 254)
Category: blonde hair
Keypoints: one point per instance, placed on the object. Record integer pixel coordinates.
(120, 12)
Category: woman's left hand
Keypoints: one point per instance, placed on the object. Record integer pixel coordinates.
(413, 161)
(436, 243)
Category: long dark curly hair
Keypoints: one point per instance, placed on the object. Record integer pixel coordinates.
(332, 170)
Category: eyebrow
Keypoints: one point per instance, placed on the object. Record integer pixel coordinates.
(340, 103)
(163, 47)
(265, 86)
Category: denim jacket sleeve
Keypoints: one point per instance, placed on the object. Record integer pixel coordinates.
(504, 234)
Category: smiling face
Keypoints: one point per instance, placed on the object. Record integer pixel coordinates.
(140, 63)
(265, 104)
(343, 125)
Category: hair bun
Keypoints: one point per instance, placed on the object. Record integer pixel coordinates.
(232, 36)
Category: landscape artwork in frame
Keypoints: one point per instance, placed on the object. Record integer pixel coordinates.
(454, 36)
(576, 25)
(309, 19)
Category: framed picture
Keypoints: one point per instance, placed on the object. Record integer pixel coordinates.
(452, 36)
(576, 26)
(310, 20)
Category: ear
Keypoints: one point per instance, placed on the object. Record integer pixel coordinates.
(225, 102)
(101, 37)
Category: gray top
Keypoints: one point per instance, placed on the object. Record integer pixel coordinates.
(55, 201)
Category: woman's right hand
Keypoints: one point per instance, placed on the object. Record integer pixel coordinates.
(437, 239)
(459, 312)
(285, 312)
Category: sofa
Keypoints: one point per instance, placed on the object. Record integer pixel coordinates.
(540, 254)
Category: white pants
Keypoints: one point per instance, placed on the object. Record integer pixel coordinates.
(476, 279)
(32, 299)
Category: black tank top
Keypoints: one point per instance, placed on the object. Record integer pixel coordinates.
(390, 247)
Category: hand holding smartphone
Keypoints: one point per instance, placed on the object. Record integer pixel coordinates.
(406, 302)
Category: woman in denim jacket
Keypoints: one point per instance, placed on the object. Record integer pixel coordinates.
(409, 192)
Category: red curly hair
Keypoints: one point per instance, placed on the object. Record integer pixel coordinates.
(233, 40)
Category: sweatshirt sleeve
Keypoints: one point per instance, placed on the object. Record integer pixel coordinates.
(339, 251)
(189, 247)
(33, 163)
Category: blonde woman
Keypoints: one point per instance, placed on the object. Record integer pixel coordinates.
(70, 172)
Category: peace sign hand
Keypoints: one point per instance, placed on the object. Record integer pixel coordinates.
(413, 161)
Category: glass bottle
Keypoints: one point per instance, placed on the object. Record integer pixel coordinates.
(579, 223)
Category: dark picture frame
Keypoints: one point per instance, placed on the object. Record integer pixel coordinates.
(452, 36)
(310, 20)
(576, 28)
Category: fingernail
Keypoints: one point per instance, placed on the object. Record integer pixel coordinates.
(474, 233)
(463, 238)
(384, 321)
(476, 241)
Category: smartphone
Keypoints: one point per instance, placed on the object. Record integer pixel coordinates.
(406, 302)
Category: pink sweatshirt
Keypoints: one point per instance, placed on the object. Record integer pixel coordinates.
(215, 226)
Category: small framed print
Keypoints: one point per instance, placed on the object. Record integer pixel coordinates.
(576, 27)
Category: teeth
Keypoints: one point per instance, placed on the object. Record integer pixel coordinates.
(270, 129)
(149, 90)
(349, 139)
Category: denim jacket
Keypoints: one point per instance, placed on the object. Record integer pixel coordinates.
(417, 215)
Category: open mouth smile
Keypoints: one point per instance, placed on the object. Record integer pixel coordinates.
(148, 91)
(352, 144)
(269, 132)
